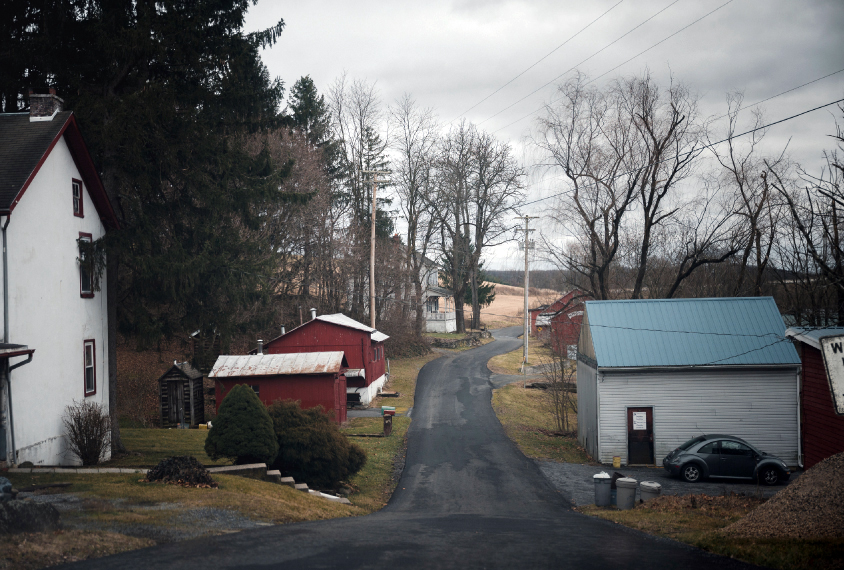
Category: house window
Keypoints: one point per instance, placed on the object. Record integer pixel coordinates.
(90, 354)
(257, 389)
(76, 185)
(86, 270)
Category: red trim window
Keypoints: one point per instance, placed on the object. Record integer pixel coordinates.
(86, 270)
(76, 186)
(90, 362)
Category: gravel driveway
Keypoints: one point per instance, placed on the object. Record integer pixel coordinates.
(574, 481)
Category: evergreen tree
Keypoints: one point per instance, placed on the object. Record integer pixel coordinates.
(243, 429)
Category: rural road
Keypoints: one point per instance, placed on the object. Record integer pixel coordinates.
(467, 499)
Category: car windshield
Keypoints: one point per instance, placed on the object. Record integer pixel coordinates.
(691, 442)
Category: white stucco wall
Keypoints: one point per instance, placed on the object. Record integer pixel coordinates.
(47, 313)
(759, 406)
(368, 393)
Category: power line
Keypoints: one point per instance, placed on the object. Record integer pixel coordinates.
(630, 31)
(540, 60)
(708, 145)
(614, 68)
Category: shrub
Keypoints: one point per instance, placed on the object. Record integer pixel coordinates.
(88, 429)
(243, 430)
(311, 446)
(184, 470)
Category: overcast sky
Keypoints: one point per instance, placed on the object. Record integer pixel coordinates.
(450, 55)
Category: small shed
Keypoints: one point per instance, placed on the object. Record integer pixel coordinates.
(362, 346)
(652, 374)
(558, 324)
(180, 396)
(312, 378)
(822, 429)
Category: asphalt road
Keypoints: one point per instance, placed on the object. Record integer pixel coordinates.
(467, 499)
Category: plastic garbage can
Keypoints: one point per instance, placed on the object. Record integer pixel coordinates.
(602, 489)
(626, 492)
(649, 490)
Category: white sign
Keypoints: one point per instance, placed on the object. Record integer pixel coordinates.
(832, 348)
(640, 421)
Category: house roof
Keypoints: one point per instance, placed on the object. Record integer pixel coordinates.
(812, 336)
(341, 320)
(439, 291)
(297, 363)
(24, 146)
(186, 369)
(689, 332)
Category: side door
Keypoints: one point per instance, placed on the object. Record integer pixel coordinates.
(640, 436)
(737, 460)
(711, 454)
(175, 398)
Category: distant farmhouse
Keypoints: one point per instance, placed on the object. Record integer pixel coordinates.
(652, 374)
(55, 333)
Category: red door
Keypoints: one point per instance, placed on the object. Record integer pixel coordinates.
(640, 436)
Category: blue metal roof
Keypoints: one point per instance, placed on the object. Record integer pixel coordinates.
(689, 332)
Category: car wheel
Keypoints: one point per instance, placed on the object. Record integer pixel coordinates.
(769, 476)
(691, 473)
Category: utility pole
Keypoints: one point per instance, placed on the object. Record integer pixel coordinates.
(527, 247)
(375, 182)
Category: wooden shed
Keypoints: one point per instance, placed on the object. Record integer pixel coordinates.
(363, 347)
(821, 428)
(180, 396)
(652, 374)
(312, 378)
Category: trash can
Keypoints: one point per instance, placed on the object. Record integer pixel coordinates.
(626, 492)
(602, 489)
(649, 490)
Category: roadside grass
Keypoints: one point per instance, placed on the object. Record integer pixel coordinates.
(511, 362)
(374, 484)
(527, 419)
(252, 498)
(29, 551)
(148, 446)
(699, 527)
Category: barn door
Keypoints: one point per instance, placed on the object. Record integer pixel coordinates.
(640, 436)
(176, 400)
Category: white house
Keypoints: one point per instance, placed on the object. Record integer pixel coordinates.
(652, 374)
(53, 315)
(438, 301)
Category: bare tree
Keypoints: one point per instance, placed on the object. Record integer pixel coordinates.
(415, 141)
(815, 205)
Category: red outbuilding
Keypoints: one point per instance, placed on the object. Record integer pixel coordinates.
(559, 324)
(822, 430)
(312, 378)
(363, 347)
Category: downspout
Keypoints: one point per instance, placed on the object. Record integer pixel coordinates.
(6, 371)
(799, 433)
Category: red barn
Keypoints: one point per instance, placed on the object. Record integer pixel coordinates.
(535, 312)
(822, 430)
(362, 345)
(559, 324)
(313, 378)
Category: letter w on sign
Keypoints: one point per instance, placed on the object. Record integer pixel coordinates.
(832, 346)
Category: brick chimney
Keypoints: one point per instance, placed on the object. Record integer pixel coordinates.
(44, 107)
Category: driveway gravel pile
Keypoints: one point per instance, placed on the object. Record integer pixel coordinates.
(811, 507)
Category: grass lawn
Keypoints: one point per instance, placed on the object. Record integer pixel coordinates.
(674, 517)
(148, 446)
(525, 414)
(511, 362)
(374, 484)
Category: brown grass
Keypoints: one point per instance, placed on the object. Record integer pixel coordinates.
(511, 362)
(697, 520)
(149, 446)
(508, 308)
(527, 420)
(30, 551)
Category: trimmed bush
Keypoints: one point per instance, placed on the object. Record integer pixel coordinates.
(311, 446)
(243, 430)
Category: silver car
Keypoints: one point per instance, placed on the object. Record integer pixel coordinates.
(727, 457)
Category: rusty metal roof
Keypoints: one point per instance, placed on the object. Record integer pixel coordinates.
(228, 366)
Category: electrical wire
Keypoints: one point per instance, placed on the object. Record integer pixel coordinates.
(558, 194)
(540, 60)
(603, 74)
(572, 68)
